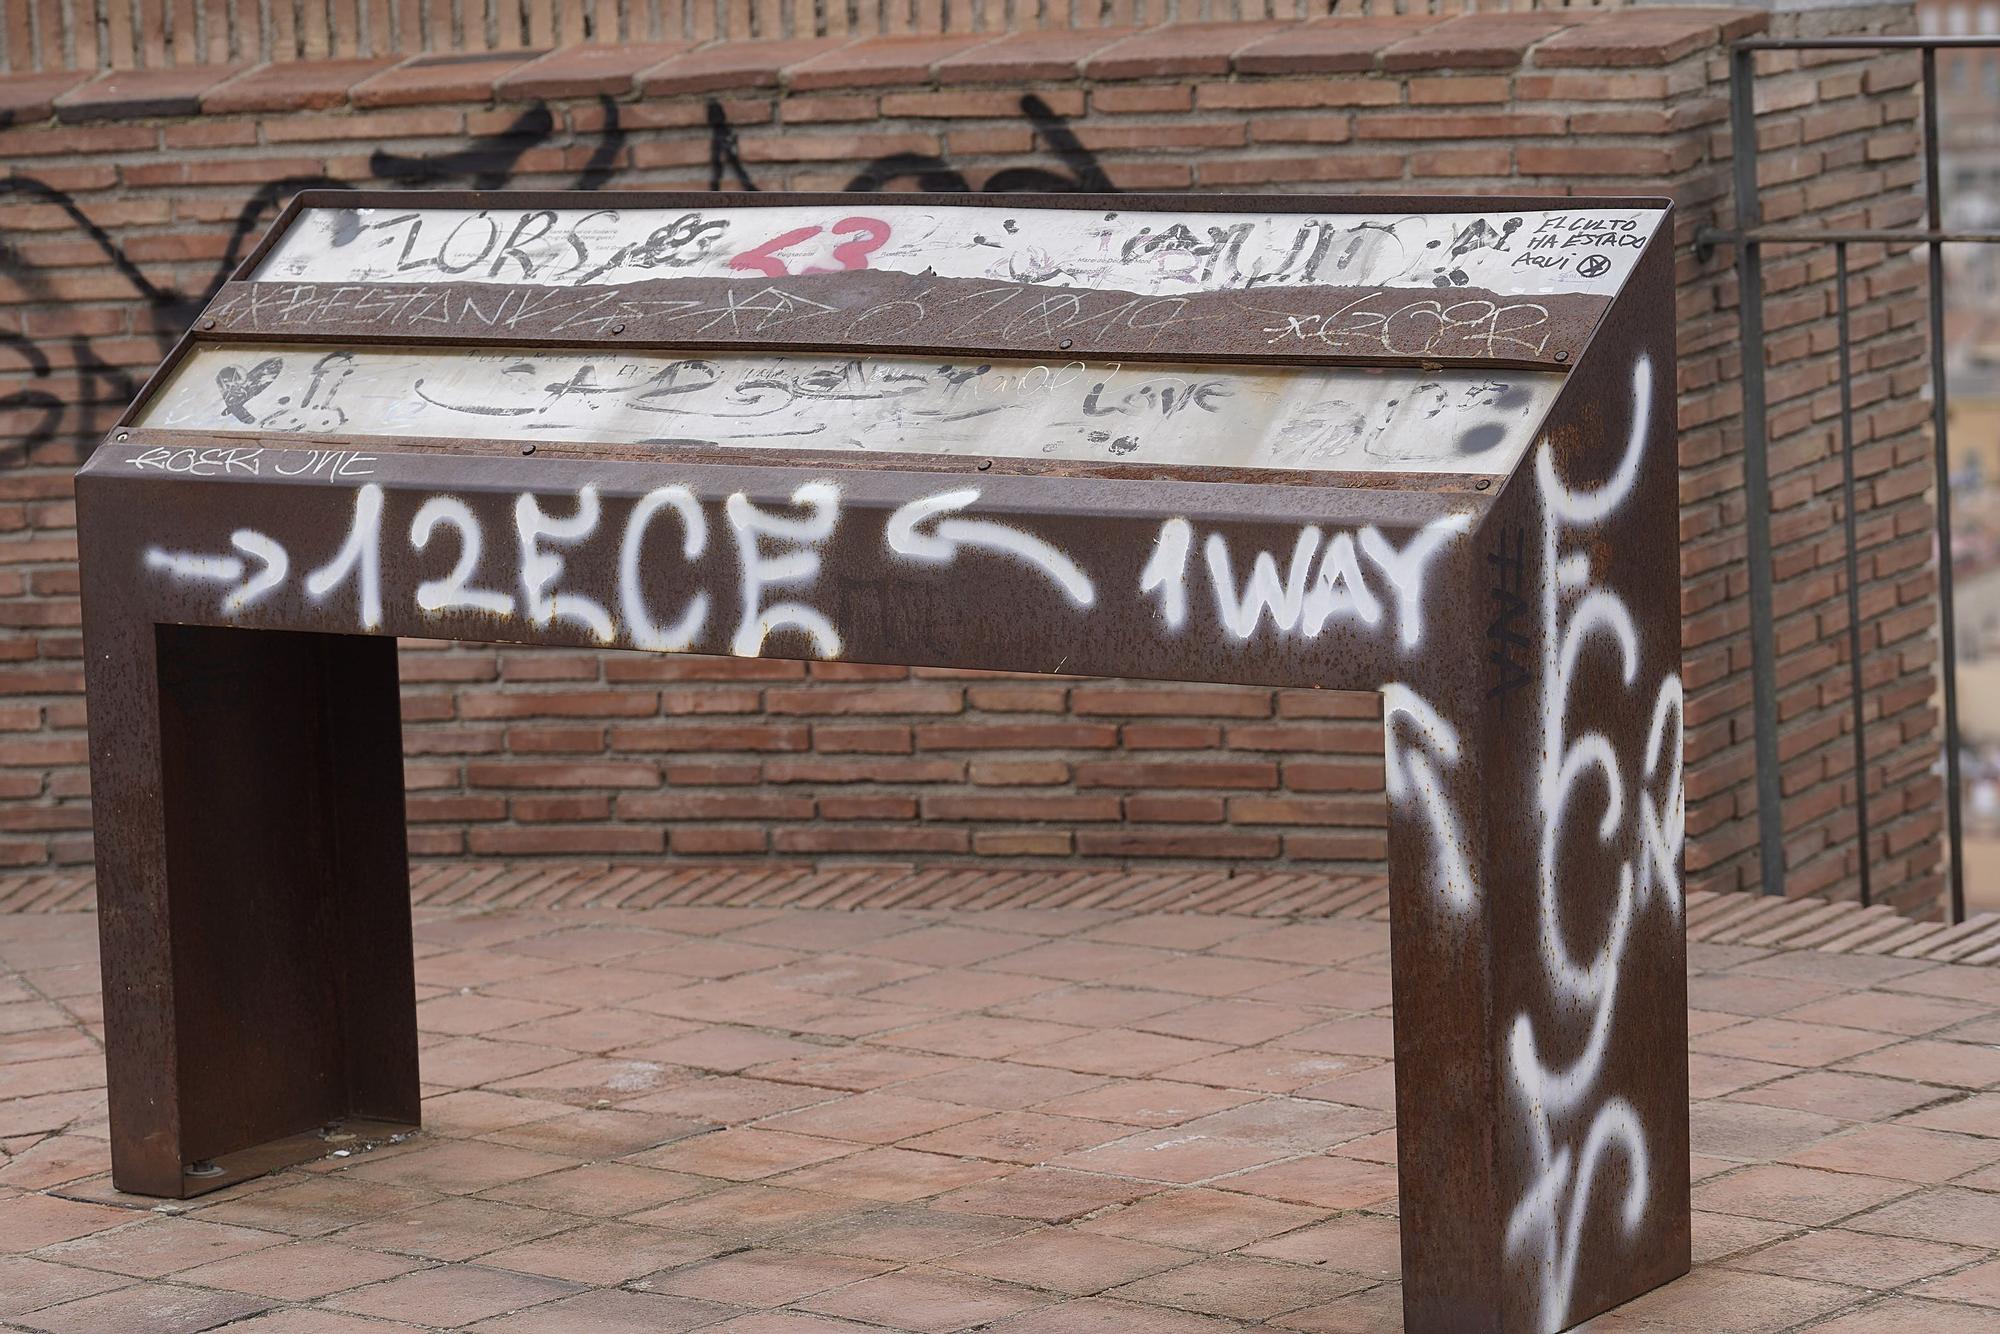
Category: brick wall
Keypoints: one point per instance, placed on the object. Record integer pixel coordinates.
(134, 192)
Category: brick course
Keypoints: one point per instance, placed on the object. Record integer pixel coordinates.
(517, 752)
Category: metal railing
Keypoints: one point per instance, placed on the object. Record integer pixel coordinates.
(1750, 237)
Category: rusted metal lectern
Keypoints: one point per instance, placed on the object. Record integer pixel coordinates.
(1420, 446)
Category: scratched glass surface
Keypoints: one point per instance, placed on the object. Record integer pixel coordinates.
(1338, 418)
(1147, 253)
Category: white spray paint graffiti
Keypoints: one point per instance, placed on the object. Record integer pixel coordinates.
(1413, 775)
(228, 569)
(631, 599)
(1307, 596)
(361, 554)
(540, 568)
(800, 565)
(1579, 614)
(940, 545)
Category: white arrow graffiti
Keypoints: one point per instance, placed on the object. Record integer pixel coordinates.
(274, 564)
(940, 545)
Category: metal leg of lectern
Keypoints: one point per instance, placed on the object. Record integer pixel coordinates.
(1537, 936)
(253, 890)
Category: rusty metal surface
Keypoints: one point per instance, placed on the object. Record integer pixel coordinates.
(241, 591)
(898, 312)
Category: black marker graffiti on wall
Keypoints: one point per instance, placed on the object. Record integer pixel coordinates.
(487, 162)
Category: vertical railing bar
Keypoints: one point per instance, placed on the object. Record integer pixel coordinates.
(1948, 639)
(1864, 835)
(1756, 472)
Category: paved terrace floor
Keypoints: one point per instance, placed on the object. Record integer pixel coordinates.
(1093, 1118)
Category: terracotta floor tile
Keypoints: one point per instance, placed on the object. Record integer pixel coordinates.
(1079, 960)
(462, 1014)
(1067, 1261)
(761, 1278)
(1229, 1020)
(469, 1112)
(1788, 1042)
(1795, 1194)
(456, 1229)
(310, 1320)
(1753, 996)
(1242, 1289)
(1366, 1244)
(1714, 1076)
(931, 1302)
(1328, 1183)
(604, 1254)
(1202, 1220)
(1943, 1213)
(1903, 1315)
(1116, 1051)
(1981, 986)
(1830, 1093)
(299, 1271)
(1049, 1194)
(823, 931)
(1856, 1258)
(33, 1221)
(1976, 1115)
(1963, 1065)
(839, 974)
(1268, 1069)
(1017, 1137)
(855, 1069)
(586, 944)
(312, 1206)
(145, 1308)
(27, 1284)
(1377, 1310)
(589, 1081)
(1746, 1132)
(1209, 975)
(450, 1295)
(746, 1213)
(1099, 1315)
(1724, 1302)
(786, 1322)
(1178, 1154)
(728, 1100)
(743, 1154)
(156, 1247)
(1316, 944)
(711, 958)
(458, 1167)
(1887, 1012)
(1174, 931)
(600, 1190)
(906, 1234)
(963, 989)
(1094, 1007)
(1145, 1102)
(600, 1132)
(1373, 1088)
(1978, 1286)
(988, 1037)
(1002, 1086)
(947, 946)
(892, 1175)
(1854, 971)
(1906, 1153)
(470, 1062)
(595, 1032)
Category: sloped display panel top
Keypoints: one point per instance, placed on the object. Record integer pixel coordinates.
(1151, 335)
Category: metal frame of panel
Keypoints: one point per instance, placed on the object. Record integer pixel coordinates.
(240, 592)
